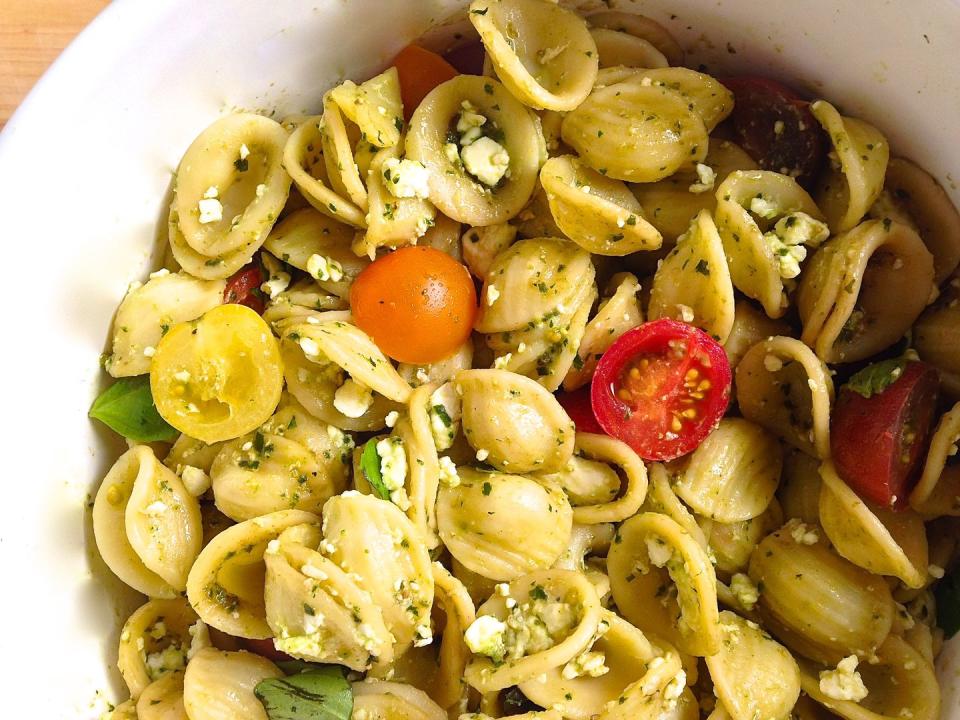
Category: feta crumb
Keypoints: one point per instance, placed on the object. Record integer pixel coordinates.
(658, 551)
(195, 480)
(469, 123)
(444, 412)
(199, 638)
(157, 507)
(324, 268)
(590, 663)
(744, 591)
(791, 237)
(485, 636)
(211, 192)
(312, 571)
(182, 376)
(162, 272)
(501, 362)
(772, 363)
(843, 683)
(764, 208)
(706, 177)
(244, 151)
(686, 312)
(393, 469)
(391, 419)
(935, 571)
(482, 454)
(492, 295)
(449, 477)
(309, 347)
(353, 398)
(261, 190)
(803, 534)
(406, 178)
(211, 210)
(486, 159)
(149, 351)
(273, 547)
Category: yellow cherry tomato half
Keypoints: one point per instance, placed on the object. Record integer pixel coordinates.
(218, 377)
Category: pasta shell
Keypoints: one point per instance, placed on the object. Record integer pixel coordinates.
(480, 519)
(703, 297)
(146, 524)
(568, 609)
(752, 674)
(448, 689)
(219, 685)
(879, 539)
(303, 158)
(543, 53)
(733, 543)
(481, 245)
(338, 141)
(633, 488)
(661, 694)
(750, 326)
(846, 192)
(438, 372)
(863, 290)
(423, 463)
(799, 490)
(374, 541)
(663, 500)
(225, 585)
(599, 214)
(517, 424)
(648, 132)
(617, 48)
(642, 27)
(814, 601)
(754, 267)
(936, 335)
(316, 610)
(530, 284)
(455, 192)
(783, 387)
(163, 699)
(733, 473)
(379, 700)
(651, 555)
(706, 96)
(248, 195)
(937, 491)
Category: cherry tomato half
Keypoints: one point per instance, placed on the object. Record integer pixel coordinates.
(578, 407)
(420, 72)
(776, 128)
(265, 648)
(417, 303)
(468, 59)
(662, 387)
(878, 438)
(243, 288)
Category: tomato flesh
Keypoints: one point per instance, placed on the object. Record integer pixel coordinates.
(467, 59)
(420, 71)
(417, 303)
(662, 387)
(879, 442)
(578, 407)
(243, 288)
(775, 127)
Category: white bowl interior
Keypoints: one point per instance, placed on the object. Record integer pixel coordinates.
(86, 164)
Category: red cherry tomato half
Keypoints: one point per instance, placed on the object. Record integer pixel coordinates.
(243, 288)
(662, 387)
(878, 442)
(468, 59)
(775, 127)
(417, 303)
(578, 407)
(265, 648)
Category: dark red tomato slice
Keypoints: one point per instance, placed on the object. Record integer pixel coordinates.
(578, 407)
(265, 648)
(467, 59)
(776, 128)
(662, 387)
(243, 287)
(880, 427)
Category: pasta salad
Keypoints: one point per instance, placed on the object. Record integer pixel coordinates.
(548, 378)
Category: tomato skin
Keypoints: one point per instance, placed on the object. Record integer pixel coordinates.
(241, 286)
(417, 303)
(867, 435)
(578, 407)
(761, 103)
(467, 59)
(420, 72)
(265, 648)
(686, 370)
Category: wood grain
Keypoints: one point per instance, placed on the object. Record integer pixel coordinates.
(32, 35)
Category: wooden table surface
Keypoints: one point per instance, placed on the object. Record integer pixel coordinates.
(32, 35)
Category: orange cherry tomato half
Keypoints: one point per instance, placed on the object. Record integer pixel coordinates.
(879, 438)
(243, 288)
(662, 387)
(420, 72)
(417, 303)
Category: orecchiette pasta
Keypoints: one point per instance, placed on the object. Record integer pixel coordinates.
(641, 27)
(218, 685)
(937, 490)
(616, 48)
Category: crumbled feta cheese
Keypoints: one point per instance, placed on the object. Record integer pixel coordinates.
(324, 268)
(244, 151)
(406, 178)
(674, 688)
(452, 153)
(764, 208)
(706, 177)
(772, 363)
(843, 683)
(312, 571)
(149, 351)
(804, 534)
(658, 551)
(485, 636)
(157, 507)
(449, 477)
(352, 398)
(211, 192)
(162, 272)
(211, 210)
(445, 410)
(686, 312)
(182, 376)
(469, 124)
(309, 347)
(590, 663)
(486, 159)
(273, 547)
(492, 295)
(424, 636)
(791, 237)
(935, 571)
(391, 419)
(482, 454)
(199, 638)
(744, 591)
(261, 190)
(195, 480)
(393, 469)
(501, 362)
(168, 660)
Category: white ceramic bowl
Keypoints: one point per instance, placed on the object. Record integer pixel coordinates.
(85, 164)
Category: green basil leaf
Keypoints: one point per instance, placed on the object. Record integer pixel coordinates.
(876, 378)
(127, 408)
(321, 694)
(370, 465)
(947, 593)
